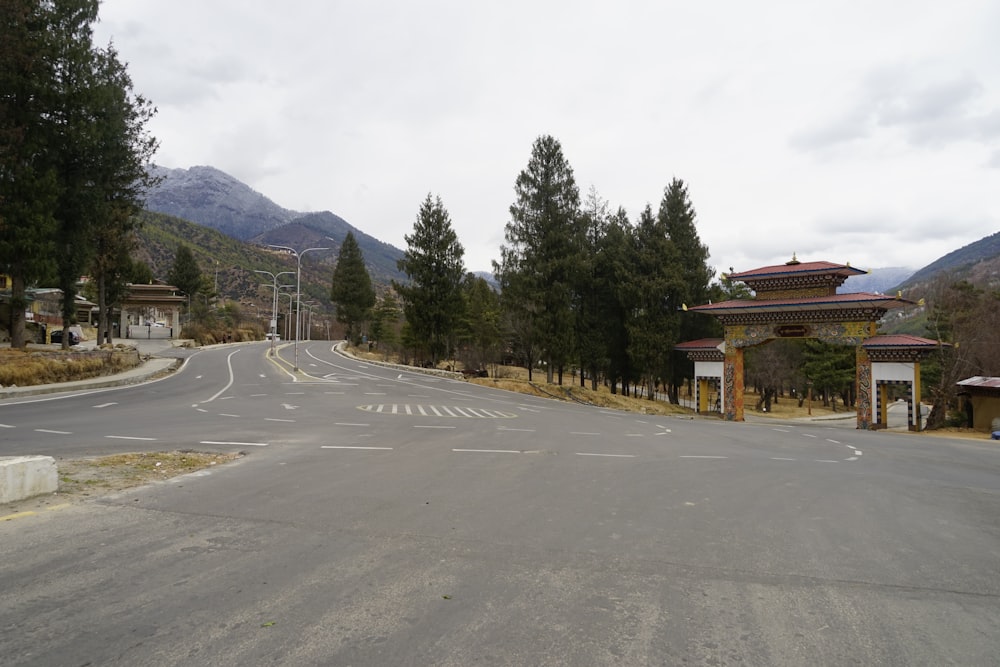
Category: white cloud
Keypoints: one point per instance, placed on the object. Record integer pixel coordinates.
(850, 130)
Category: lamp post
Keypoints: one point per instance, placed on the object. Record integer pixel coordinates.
(298, 289)
(274, 302)
(310, 306)
(288, 320)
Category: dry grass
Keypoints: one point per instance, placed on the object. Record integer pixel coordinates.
(22, 368)
(122, 471)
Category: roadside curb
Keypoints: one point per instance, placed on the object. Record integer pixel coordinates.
(147, 370)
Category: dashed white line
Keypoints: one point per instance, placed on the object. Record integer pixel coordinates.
(6, 426)
(607, 456)
(355, 447)
(809, 435)
(836, 442)
(826, 461)
(582, 433)
(349, 424)
(424, 426)
(127, 437)
(691, 456)
(516, 430)
(490, 451)
(45, 430)
(779, 458)
(273, 419)
(857, 452)
(224, 414)
(104, 405)
(239, 444)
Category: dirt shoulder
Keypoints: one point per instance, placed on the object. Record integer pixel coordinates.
(86, 478)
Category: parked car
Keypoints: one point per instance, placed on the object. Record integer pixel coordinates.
(57, 337)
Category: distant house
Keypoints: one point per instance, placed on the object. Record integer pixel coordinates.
(982, 400)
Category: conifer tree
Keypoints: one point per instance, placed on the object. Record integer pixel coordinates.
(352, 290)
(185, 273)
(432, 299)
(541, 257)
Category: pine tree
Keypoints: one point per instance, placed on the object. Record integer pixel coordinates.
(541, 257)
(432, 299)
(185, 274)
(352, 290)
(28, 183)
(677, 217)
(481, 324)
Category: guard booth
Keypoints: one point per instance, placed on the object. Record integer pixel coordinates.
(800, 300)
(708, 355)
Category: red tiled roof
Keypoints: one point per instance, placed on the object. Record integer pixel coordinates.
(700, 344)
(900, 340)
(797, 268)
(833, 301)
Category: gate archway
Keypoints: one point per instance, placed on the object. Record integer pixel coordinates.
(800, 300)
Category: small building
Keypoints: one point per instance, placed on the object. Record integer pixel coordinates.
(981, 401)
(152, 311)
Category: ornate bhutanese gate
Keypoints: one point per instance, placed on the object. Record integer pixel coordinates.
(800, 300)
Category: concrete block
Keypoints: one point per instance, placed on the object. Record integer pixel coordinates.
(25, 476)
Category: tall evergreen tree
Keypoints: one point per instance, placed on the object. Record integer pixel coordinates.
(544, 244)
(654, 301)
(677, 217)
(432, 299)
(593, 291)
(481, 324)
(185, 274)
(352, 290)
(120, 170)
(28, 183)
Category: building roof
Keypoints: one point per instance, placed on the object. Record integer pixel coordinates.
(700, 344)
(829, 302)
(901, 340)
(796, 267)
(981, 382)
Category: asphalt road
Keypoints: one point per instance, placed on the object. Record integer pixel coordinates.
(392, 518)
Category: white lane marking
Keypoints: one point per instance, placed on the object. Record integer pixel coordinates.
(349, 424)
(608, 456)
(582, 433)
(262, 375)
(295, 393)
(857, 452)
(289, 406)
(516, 430)
(809, 435)
(104, 405)
(257, 395)
(635, 435)
(45, 430)
(826, 461)
(692, 456)
(851, 458)
(247, 444)
(223, 414)
(781, 430)
(202, 410)
(227, 398)
(272, 419)
(6, 426)
(836, 442)
(779, 458)
(375, 393)
(422, 426)
(127, 437)
(229, 364)
(197, 377)
(491, 451)
(354, 447)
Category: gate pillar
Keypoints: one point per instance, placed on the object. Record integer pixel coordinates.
(732, 383)
(865, 388)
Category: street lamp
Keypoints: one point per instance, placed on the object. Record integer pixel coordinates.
(310, 306)
(274, 302)
(298, 289)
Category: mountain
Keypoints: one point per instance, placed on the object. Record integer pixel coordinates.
(978, 262)
(876, 281)
(214, 199)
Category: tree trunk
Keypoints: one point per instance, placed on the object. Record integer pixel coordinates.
(102, 311)
(18, 303)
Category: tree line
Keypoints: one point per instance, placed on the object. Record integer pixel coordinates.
(74, 157)
(582, 288)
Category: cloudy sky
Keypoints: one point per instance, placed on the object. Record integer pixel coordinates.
(855, 131)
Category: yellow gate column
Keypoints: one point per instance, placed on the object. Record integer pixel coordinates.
(865, 395)
(732, 383)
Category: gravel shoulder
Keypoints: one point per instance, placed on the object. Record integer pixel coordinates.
(87, 478)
